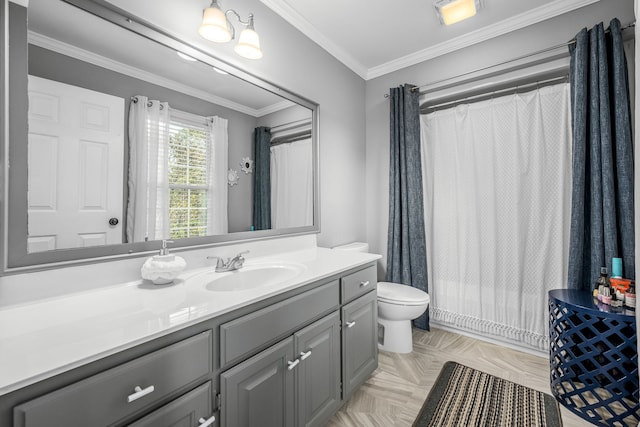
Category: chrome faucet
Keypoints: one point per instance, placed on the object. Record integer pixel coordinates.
(231, 264)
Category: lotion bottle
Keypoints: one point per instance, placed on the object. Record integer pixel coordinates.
(163, 268)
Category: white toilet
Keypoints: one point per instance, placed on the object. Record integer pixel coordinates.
(398, 305)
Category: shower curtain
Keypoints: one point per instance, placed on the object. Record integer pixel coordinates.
(292, 184)
(497, 178)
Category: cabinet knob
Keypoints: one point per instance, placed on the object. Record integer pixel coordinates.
(205, 423)
(304, 355)
(293, 364)
(139, 392)
(351, 324)
(365, 283)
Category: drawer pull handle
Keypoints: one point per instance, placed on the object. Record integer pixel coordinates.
(351, 324)
(304, 355)
(365, 283)
(205, 423)
(293, 364)
(139, 392)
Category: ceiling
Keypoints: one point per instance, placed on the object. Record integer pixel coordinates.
(372, 38)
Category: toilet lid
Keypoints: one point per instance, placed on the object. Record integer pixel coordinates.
(395, 293)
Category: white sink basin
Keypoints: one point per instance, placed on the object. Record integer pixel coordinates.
(254, 276)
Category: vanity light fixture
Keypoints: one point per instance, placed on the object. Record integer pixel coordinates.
(217, 28)
(452, 11)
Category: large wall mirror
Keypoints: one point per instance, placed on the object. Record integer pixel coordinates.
(121, 135)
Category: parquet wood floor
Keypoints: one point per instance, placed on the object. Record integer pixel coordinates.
(394, 394)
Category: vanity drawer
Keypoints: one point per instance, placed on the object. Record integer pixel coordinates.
(358, 283)
(244, 335)
(195, 405)
(110, 396)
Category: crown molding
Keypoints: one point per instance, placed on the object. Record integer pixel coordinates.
(282, 8)
(119, 67)
(531, 17)
(514, 23)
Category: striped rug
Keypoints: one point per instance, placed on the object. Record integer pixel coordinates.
(463, 396)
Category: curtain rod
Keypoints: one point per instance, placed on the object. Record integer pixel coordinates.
(516, 89)
(299, 136)
(293, 124)
(558, 46)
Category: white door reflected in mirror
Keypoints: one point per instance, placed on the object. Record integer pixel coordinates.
(75, 170)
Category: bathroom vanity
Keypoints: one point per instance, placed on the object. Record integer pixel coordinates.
(289, 355)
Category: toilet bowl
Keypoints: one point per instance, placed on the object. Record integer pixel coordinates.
(398, 305)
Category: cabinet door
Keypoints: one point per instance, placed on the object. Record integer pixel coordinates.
(259, 391)
(360, 343)
(191, 410)
(318, 348)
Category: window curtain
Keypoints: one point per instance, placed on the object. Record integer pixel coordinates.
(148, 204)
(602, 212)
(292, 184)
(406, 247)
(497, 201)
(262, 179)
(217, 165)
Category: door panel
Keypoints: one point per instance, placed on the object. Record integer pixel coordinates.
(259, 391)
(319, 372)
(360, 341)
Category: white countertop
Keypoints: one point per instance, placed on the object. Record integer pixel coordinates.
(44, 338)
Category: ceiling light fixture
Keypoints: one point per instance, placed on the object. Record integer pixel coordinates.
(452, 11)
(217, 28)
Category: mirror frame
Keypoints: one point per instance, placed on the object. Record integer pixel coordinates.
(13, 143)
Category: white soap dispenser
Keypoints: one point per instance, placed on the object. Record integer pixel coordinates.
(161, 269)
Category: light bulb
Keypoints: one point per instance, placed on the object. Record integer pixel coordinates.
(214, 25)
(249, 44)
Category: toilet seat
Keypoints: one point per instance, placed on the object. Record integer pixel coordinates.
(395, 293)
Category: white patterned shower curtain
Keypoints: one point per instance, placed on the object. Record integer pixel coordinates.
(292, 184)
(497, 188)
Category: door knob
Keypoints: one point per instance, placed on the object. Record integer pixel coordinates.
(113, 221)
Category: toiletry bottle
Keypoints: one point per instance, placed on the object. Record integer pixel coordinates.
(616, 267)
(601, 282)
(615, 300)
(630, 297)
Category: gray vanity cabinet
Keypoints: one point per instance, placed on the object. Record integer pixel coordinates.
(290, 361)
(359, 341)
(298, 378)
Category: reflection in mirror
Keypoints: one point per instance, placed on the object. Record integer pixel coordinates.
(136, 145)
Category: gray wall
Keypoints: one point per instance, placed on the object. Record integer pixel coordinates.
(509, 46)
(54, 66)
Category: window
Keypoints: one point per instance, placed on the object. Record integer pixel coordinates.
(188, 152)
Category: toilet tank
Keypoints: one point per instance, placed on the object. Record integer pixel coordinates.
(354, 247)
